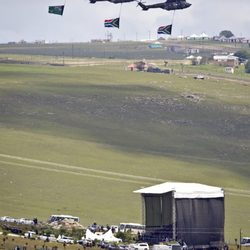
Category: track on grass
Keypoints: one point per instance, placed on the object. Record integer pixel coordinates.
(70, 169)
(83, 171)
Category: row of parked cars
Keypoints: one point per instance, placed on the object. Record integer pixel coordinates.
(86, 242)
(136, 246)
(49, 238)
(19, 221)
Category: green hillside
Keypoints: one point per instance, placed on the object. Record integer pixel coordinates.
(80, 140)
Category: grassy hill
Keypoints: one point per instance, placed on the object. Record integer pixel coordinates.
(170, 49)
(80, 140)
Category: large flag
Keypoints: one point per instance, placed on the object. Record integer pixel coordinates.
(165, 30)
(112, 23)
(57, 10)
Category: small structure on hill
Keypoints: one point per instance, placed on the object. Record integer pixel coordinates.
(147, 67)
(190, 212)
(229, 70)
(138, 66)
(226, 60)
(67, 224)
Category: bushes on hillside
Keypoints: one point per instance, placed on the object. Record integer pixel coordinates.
(243, 54)
(247, 67)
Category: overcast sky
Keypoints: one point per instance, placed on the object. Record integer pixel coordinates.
(81, 22)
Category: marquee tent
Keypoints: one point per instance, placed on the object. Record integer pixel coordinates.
(107, 237)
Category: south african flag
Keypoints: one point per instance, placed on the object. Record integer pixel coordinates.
(165, 30)
(112, 23)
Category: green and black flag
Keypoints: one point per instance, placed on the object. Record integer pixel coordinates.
(57, 10)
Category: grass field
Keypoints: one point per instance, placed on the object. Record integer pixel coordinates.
(80, 140)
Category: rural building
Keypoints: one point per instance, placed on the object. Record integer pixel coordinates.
(229, 70)
(195, 60)
(191, 51)
(138, 66)
(191, 212)
(232, 39)
(226, 60)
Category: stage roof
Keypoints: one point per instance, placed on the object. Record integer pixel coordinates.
(184, 190)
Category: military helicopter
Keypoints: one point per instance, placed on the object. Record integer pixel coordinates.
(168, 5)
(112, 1)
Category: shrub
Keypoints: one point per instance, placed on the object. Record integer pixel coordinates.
(247, 67)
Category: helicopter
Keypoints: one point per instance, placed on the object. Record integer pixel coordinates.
(168, 5)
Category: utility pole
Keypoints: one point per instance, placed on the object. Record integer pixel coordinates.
(240, 238)
(72, 50)
(149, 35)
(63, 58)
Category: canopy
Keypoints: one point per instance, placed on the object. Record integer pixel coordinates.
(184, 190)
(107, 237)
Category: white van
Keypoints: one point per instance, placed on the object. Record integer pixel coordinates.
(30, 234)
(65, 239)
(139, 246)
(245, 241)
(134, 228)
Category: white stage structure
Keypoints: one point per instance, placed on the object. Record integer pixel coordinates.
(191, 212)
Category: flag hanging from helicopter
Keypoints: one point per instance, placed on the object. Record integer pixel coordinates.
(112, 23)
(57, 10)
(165, 30)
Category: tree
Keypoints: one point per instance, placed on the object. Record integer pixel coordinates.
(126, 237)
(226, 33)
(247, 67)
(244, 54)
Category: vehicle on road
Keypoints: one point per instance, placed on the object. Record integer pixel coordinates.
(199, 77)
(7, 219)
(30, 234)
(85, 242)
(139, 246)
(65, 239)
(245, 241)
(48, 238)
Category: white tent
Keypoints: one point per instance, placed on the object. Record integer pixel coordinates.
(107, 237)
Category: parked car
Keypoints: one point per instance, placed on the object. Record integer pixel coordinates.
(122, 247)
(113, 247)
(65, 239)
(49, 238)
(139, 246)
(199, 77)
(30, 234)
(25, 221)
(103, 244)
(15, 230)
(85, 242)
(245, 241)
(7, 219)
